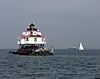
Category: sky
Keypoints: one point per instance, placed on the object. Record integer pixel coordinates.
(65, 23)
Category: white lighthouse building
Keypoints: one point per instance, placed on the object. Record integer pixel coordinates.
(32, 42)
(32, 37)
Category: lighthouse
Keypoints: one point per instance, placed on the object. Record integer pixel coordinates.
(32, 42)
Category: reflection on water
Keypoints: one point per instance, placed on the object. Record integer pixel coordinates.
(63, 65)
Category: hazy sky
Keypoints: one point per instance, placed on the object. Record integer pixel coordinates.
(65, 23)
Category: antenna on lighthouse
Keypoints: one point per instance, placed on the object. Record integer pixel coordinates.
(33, 22)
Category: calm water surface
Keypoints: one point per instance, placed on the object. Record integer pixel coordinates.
(63, 65)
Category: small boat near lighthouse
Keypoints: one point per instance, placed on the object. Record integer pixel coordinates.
(32, 42)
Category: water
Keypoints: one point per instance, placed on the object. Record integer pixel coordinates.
(63, 65)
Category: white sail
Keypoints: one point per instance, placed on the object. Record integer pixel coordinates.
(81, 46)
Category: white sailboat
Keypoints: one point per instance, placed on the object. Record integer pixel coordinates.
(81, 46)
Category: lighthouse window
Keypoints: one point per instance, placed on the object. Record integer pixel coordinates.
(27, 39)
(42, 39)
(35, 39)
